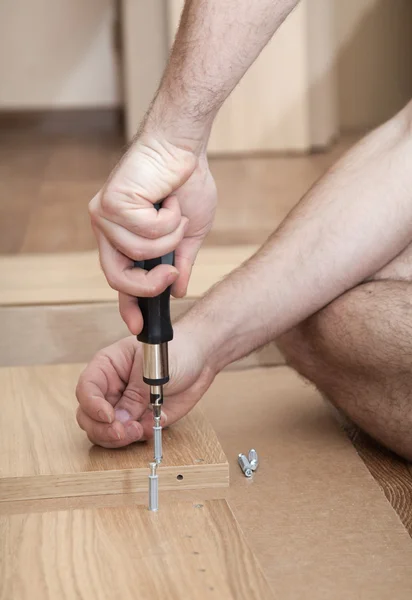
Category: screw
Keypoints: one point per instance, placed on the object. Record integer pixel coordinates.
(157, 438)
(244, 465)
(253, 459)
(153, 488)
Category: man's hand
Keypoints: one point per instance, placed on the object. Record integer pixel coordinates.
(114, 407)
(128, 228)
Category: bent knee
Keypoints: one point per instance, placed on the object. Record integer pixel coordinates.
(366, 329)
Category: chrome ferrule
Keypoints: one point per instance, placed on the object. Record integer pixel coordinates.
(155, 362)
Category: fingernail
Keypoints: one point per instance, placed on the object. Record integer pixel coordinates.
(163, 418)
(172, 276)
(122, 415)
(104, 416)
(133, 431)
(113, 434)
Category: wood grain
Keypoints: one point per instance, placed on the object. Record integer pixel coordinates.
(394, 474)
(48, 176)
(33, 335)
(77, 277)
(44, 454)
(194, 551)
(313, 516)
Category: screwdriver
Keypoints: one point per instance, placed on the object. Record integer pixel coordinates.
(156, 333)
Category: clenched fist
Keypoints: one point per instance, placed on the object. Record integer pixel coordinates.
(128, 228)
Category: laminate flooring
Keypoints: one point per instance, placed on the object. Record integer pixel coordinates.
(47, 180)
(312, 515)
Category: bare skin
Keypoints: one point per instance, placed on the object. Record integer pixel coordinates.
(354, 225)
(357, 352)
(216, 43)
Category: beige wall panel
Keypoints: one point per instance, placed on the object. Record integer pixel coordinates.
(144, 56)
(374, 60)
(273, 107)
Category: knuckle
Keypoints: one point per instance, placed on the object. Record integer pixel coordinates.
(77, 391)
(79, 418)
(152, 232)
(91, 438)
(93, 209)
(108, 203)
(113, 280)
(137, 254)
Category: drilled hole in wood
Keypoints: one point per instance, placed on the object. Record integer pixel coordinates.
(179, 477)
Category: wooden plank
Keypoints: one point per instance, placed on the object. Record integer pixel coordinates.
(44, 174)
(393, 473)
(194, 551)
(44, 454)
(313, 516)
(77, 278)
(33, 335)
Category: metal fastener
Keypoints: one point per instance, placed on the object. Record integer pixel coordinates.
(244, 465)
(153, 488)
(157, 439)
(253, 459)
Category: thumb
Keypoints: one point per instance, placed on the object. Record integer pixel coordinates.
(185, 256)
(135, 397)
(129, 411)
(177, 405)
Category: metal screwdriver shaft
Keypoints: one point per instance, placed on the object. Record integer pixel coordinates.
(157, 435)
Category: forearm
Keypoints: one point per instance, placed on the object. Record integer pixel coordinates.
(216, 42)
(351, 223)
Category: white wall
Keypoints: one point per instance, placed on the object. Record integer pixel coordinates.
(57, 54)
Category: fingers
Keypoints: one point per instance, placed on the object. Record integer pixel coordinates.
(130, 313)
(124, 277)
(114, 435)
(90, 397)
(139, 248)
(109, 410)
(136, 215)
(185, 256)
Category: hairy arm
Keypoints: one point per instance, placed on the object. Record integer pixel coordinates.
(350, 224)
(216, 43)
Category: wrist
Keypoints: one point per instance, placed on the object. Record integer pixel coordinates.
(170, 121)
(216, 345)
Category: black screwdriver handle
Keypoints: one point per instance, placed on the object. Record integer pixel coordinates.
(157, 326)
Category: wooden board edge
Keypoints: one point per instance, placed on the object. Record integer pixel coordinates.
(123, 481)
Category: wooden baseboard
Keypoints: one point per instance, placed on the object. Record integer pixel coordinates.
(64, 122)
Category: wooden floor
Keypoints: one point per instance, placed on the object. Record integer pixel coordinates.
(312, 515)
(47, 180)
(181, 552)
